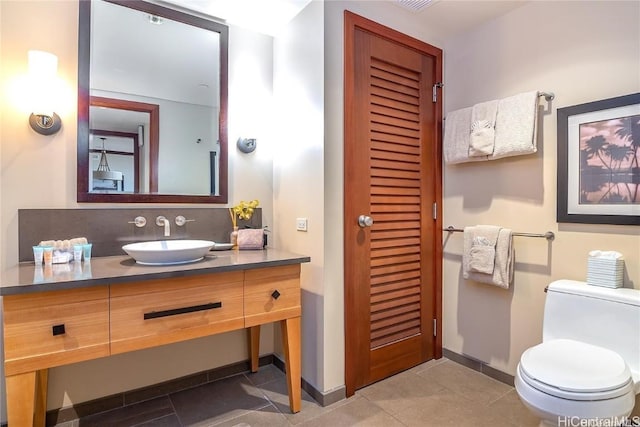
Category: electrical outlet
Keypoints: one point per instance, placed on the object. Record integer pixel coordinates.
(301, 224)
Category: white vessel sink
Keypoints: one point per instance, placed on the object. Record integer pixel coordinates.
(167, 252)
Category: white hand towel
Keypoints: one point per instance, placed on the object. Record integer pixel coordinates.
(502, 274)
(516, 125)
(483, 120)
(456, 137)
(483, 248)
(480, 249)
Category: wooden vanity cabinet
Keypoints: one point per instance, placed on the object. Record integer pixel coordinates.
(48, 329)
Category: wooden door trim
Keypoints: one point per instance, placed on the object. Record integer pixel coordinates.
(353, 22)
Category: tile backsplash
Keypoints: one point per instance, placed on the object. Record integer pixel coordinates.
(109, 229)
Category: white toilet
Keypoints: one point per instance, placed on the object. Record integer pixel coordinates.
(588, 364)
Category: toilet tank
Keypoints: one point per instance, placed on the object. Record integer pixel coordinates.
(596, 315)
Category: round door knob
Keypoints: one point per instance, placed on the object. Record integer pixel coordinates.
(365, 221)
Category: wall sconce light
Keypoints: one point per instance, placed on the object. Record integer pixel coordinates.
(246, 145)
(43, 69)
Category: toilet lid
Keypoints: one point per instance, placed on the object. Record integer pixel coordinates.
(575, 366)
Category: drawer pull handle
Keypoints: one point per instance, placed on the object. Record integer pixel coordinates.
(182, 310)
(57, 330)
(275, 294)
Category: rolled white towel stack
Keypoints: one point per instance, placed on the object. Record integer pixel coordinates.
(605, 268)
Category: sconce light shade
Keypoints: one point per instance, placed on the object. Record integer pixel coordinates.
(43, 68)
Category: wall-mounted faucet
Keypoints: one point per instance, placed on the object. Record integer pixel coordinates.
(180, 220)
(139, 221)
(162, 221)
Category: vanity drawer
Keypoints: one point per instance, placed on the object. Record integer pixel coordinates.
(156, 312)
(271, 294)
(47, 329)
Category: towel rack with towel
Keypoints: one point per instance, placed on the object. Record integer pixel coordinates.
(549, 235)
(493, 129)
(548, 96)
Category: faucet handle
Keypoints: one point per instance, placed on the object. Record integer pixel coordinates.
(180, 220)
(139, 221)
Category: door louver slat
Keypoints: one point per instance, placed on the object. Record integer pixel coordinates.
(389, 164)
(394, 86)
(393, 112)
(391, 312)
(392, 252)
(395, 71)
(397, 104)
(393, 260)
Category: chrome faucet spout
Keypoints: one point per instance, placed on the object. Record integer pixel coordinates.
(162, 221)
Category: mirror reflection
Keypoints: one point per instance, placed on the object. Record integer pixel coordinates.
(156, 127)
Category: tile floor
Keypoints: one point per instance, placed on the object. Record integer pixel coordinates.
(437, 393)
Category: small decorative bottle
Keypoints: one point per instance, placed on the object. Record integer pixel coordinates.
(234, 237)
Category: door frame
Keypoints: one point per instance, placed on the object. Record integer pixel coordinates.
(353, 22)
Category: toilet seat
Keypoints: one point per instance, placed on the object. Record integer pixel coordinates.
(575, 370)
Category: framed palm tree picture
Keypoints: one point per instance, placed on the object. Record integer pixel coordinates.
(599, 162)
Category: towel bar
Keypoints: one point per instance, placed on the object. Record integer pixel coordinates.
(549, 235)
(547, 95)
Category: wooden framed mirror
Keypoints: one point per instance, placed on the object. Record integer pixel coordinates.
(182, 152)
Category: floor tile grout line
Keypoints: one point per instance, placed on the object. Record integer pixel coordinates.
(383, 410)
(395, 418)
(501, 396)
(154, 419)
(174, 409)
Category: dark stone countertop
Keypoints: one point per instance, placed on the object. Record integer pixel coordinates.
(27, 278)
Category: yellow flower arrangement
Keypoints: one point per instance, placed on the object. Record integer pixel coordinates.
(243, 210)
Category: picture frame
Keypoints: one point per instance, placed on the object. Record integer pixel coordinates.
(599, 162)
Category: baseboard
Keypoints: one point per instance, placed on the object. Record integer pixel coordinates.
(479, 366)
(324, 399)
(107, 403)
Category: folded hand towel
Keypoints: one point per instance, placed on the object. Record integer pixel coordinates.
(457, 136)
(481, 254)
(516, 125)
(502, 273)
(483, 120)
(483, 248)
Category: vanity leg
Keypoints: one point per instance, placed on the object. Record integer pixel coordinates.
(254, 347)
(21, 397)
(42, 381)
(291, 343)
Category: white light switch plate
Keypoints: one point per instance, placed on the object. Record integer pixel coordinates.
(301, 224)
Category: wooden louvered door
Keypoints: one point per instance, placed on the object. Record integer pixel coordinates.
(393, 176)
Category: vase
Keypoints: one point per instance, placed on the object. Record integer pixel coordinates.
(234, 237)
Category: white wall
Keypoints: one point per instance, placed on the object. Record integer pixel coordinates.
(582, 51)
(251, 115)
(40, 172)
(298, 182)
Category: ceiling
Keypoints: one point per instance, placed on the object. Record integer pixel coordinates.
(448, 18)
